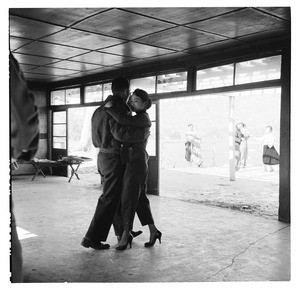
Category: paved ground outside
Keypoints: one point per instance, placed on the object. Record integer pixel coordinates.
(254, 191)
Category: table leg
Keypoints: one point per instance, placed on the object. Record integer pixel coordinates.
(74, 171)
(38, 170)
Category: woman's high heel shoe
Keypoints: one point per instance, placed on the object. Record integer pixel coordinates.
(151, 243)
(124, 247)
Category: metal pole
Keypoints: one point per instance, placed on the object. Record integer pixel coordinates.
(231, 139)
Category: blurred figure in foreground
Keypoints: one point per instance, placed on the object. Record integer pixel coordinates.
(24, 138)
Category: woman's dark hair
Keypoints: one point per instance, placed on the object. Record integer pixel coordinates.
(144, 96)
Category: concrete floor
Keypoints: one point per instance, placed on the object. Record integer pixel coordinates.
(200, 243)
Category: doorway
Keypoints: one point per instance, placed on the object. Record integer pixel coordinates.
(254, 190)
(80, 143)
(80, 139)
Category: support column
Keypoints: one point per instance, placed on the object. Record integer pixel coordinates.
(231, 129)
(285, 137)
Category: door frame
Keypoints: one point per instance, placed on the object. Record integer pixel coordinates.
(153, 164)
(56, 153)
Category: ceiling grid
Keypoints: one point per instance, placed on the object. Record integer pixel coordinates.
(59, 44)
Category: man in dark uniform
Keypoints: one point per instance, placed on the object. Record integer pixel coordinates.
(110, 164)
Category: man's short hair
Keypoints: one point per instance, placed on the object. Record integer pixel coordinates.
(119, 84)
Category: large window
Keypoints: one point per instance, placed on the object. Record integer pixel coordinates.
(59, 130)
(258, 70)
(172, 82)
(147, 84)
(250, 71)
(93, 93)
(97, 93)
(73, 96)
(245, 72)
(62, 97)
(58, 97)
(215, 77)
(79, 132)
(106, 90)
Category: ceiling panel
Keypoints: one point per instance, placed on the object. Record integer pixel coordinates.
(16, 42)
(136, 50)
(101, 59)
(25, 67)
(217, 46)
(50, 50)
(180, 38)
(263, 36)
(154, 60)
(34, 60)
(122, 24)
(38, 77)
(182, 15)
(242, 22)
(61, 78)
(59, 16)
(81, 39)
(52, 71)
(92, 72)
(282, 12)
(71, 65)
(32, 29)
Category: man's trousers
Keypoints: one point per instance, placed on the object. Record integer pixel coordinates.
(112, 172)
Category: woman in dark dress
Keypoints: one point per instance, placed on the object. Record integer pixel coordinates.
(133, 198)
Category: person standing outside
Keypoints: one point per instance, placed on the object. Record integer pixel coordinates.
(244, 145)
(190, 136)
(110, 164)
(237, 144)
(270, 156)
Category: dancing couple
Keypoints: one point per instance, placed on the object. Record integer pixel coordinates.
(123, 166)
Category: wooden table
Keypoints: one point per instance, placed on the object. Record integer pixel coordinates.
(39, 165)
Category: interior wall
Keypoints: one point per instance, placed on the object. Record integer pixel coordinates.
(42, 152)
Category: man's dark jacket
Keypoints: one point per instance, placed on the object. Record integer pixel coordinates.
(109, 137)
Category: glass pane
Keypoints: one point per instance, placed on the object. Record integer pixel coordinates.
(106, 90)
(58, 97)
(79, 132)
(215, 77)
(59, 142)
(258, 70)
(147, 84)
(59, 130)
(172, 82)
(59, 117)
(151, 145)
(93, 93)
(73, 96)
(152, 112)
